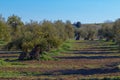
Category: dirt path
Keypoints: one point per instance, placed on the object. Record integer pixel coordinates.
(88, 59)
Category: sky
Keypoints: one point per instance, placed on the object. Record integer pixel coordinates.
(85, 11)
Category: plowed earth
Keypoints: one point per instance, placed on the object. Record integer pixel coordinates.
(87, 59)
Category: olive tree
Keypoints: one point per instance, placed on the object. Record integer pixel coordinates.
(4, 30)
(77, 32)
(60, 26)
(116, 29)
(106, 31)
(88, 32)
(69, 30)
(15, 24)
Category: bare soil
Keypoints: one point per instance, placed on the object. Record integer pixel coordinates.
(87, 62)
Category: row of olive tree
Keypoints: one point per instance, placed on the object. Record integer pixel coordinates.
(4, 30)
(111, 31)
(116, 31)
(86, 32)
(108, 31)
(34, 38)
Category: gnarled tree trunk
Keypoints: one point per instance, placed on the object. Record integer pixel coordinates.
(34, 54)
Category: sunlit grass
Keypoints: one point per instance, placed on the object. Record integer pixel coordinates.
(66, 46)
(13, 74)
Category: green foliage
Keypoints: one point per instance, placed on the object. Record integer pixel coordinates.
(3, 63)
(14, 19)
(78, 24)
(106, 31)
(50, 35)
(55, 52)
(4, 32)
(66, 46)
(116, 28)
(88, 32)
(15, 24)
(9, 74)
(39, 37)
(45, 56)
(2, 42)
(13, 74)
(60, 26)
(33, 36)
(69, 30)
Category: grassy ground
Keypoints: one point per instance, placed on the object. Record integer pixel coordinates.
(83, 60)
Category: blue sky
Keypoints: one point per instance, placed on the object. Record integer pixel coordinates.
(86, 11)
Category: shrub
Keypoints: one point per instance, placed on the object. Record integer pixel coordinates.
(45, 56)
(3, 63)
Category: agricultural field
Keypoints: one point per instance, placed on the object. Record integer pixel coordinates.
(59, 40)
(82, 61)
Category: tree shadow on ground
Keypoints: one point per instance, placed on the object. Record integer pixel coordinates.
(83, 72)
(89, 57)
(109, 48)
(91, 52)
(8, 56)
(10, 52)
